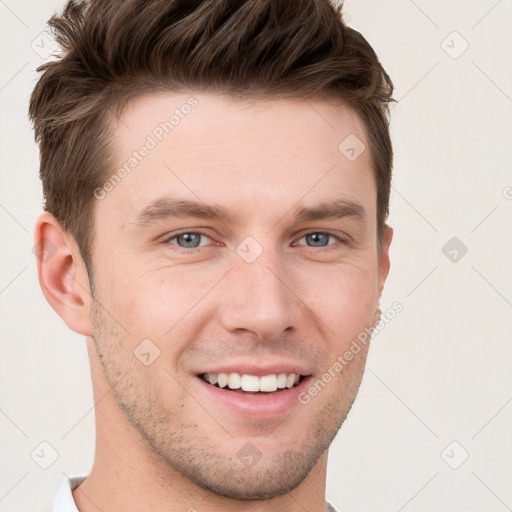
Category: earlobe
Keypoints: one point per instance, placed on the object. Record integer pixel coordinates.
(62, 274)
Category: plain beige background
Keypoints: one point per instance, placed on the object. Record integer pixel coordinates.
(430, 430)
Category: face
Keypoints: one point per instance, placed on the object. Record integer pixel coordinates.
(242, 242)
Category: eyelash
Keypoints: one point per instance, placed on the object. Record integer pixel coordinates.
(330, 247)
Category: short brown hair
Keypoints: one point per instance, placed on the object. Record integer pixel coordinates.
(114, 50)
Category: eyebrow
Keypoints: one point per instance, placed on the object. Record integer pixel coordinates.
(164, 208)
(337, 209)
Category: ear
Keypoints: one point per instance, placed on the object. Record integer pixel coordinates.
(384, 263)
(62, 274)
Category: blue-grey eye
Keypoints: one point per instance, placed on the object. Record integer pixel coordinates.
(318, 239)
(190, 240)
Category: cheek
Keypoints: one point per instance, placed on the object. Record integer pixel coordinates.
(345, 299)
(157, 304)
(346, 306)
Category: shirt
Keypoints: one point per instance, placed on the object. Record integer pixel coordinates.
(64, 501)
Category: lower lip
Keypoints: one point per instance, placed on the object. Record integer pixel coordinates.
(261, 406)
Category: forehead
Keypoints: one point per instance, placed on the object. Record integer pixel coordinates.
(215, 149)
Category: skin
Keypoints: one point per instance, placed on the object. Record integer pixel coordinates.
(161, 444)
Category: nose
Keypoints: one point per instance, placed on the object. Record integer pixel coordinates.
(260, 297)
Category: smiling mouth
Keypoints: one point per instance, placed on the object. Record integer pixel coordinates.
(252, 384)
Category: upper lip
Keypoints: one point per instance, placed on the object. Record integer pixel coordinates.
(252, 368)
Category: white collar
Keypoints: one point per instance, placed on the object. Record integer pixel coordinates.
(64, 501)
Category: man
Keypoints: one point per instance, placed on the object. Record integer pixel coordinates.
(216, 178)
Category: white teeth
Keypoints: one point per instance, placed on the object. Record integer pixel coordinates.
(266, 383)
(222, 379)
(250, 383)
(281, 380)
(234, 381)
(212, 377)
